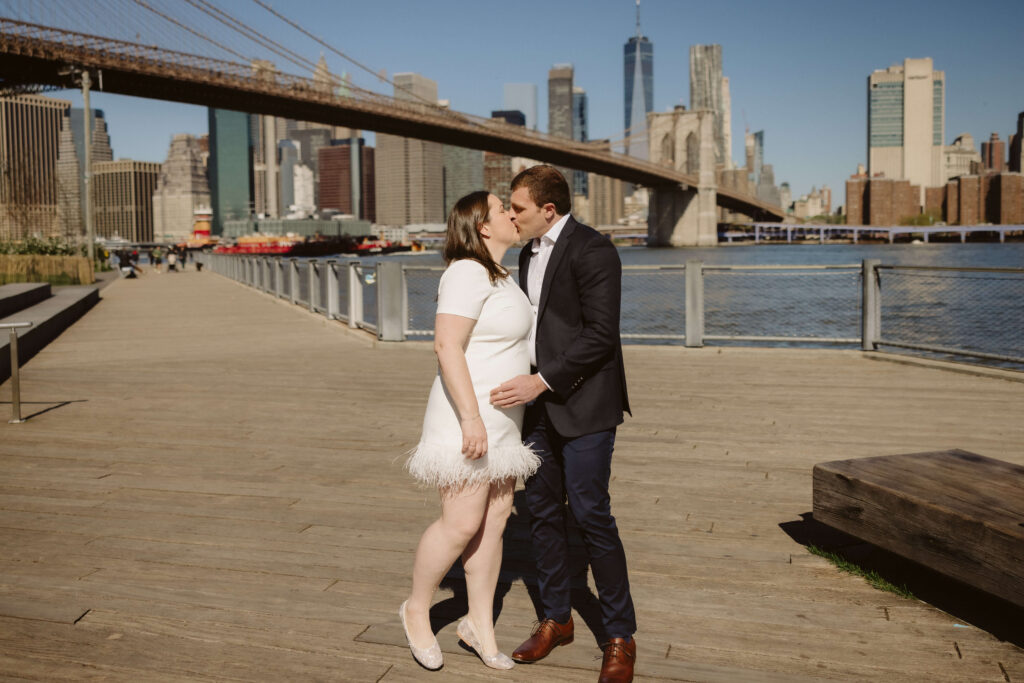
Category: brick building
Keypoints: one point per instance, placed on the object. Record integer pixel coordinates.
(881, 201)
(993, 154)
(335, 171)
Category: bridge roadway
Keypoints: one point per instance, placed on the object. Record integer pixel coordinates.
(210, 486)
(39, 54)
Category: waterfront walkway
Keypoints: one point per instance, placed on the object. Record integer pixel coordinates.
(210, 487)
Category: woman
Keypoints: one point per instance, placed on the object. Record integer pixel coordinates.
(471, 451)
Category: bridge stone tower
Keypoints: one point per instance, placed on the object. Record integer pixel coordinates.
(683, 216)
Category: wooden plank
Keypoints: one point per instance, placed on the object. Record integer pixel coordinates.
(944, 517)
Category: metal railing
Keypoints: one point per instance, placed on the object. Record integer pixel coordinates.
(15, 370)
(953, 312)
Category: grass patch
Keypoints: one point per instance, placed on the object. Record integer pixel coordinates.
(870, 575)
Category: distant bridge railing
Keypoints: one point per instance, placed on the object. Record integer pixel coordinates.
(957, 313)
(825, 232)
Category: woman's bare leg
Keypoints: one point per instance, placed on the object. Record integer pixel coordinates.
(482, 561)
(461, 515)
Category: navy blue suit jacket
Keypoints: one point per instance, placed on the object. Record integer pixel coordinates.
(579, 352)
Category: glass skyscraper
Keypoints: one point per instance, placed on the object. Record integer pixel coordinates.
(229, 167)
(579, 133)
(638, 70)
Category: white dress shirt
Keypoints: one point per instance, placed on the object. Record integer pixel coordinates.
(542, 247)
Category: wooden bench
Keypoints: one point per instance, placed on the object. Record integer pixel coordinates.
(959, 513)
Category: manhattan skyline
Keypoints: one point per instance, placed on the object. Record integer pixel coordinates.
(797, 71)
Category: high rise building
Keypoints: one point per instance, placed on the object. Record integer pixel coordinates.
(336, 188)
(560, 107)
(263, 136)
(71, 165)
(124, 199)
(229, 167)
(1016, 145)
(638, 75)
(993, 154)
(302, 181)
(288, 155)
(906, 123)
(785, 196)
(181, 188)
(560, 101)
(29, 142)
(463, 173)
(755, 156)
(410, 173)
(309, 142)
(765, 189)
(522, 97)
(706, 92)
(579, 130)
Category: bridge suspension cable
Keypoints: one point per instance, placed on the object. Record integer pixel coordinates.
(191, 30)
(338, 52)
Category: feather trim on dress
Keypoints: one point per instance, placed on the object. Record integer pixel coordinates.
(443, 467)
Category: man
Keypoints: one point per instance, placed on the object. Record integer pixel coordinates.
(575, 400)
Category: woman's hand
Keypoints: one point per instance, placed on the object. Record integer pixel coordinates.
(474, 438)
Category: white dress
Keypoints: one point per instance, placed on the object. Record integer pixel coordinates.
(497, 351)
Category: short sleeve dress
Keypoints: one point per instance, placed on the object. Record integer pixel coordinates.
(497, 351)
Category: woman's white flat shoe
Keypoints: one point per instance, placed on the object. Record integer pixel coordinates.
(428, 658)
(496, 661)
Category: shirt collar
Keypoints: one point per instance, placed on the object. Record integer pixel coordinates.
(551, 236)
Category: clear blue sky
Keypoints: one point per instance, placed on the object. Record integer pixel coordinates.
(798, 69)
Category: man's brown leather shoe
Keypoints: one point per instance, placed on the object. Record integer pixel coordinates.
(546, 636)
(619, 658)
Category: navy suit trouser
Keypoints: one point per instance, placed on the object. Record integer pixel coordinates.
(578, 470)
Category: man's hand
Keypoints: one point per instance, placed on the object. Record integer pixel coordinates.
(518, 391)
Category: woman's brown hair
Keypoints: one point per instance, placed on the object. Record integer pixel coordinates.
(463, 239)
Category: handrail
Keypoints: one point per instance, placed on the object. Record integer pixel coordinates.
(15, 372)
(685, 305)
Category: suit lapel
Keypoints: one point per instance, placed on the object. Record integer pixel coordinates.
(561, 246)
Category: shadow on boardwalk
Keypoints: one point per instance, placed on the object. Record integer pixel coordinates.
(220, 496)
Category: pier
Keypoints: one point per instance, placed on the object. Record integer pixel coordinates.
(209, 485)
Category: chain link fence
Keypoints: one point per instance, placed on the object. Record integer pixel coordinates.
(783, 304)
(951, 312)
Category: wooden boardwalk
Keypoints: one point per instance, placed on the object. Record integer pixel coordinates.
(210, 487)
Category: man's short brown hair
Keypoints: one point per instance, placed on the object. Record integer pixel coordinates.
(546, 185)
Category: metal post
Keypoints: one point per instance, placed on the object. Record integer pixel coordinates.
(821, 235)
(695, 303)
(313, 275)
(293, 280)
(871, 305)
(15, 372)
(332, 290)
(278, 266)
(355, 295)
(90, 236)
(757, 234)
(390, 299)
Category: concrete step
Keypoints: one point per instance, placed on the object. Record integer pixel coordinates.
(18, 295)
(49, 318)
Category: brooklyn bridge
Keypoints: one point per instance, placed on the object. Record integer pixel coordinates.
(684, 197)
